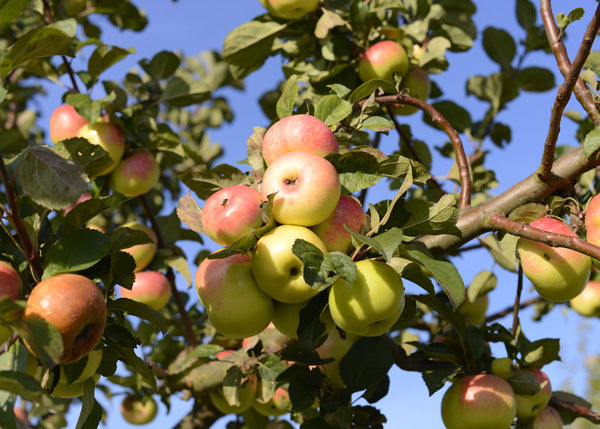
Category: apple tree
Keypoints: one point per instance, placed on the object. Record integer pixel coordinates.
(336, 257)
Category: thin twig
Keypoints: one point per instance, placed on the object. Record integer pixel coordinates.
(363, 193)
(580, 410)
(516, 306)
(511, 309)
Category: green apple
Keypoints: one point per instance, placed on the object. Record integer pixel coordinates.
(231, 213)
(298, 132)
(529, 406)
(372, 303)
(474, 312)
(138, 410)
(548, 418)
(278, 405)
(10, 285)
(72, 390)
(557, 273)
(65, 123)
(278, 272)
(332, 232)
(335, 346)
(479, 401)
(151, 288)
(587, 303)
(286, 317)
(290, 9)
(142, 253)
(135, 175)
(94, 358)
(306, 187)
(247, 394)
(109, 138)
(234, 303)
(382, 61)
(503, 367)
(418, 85)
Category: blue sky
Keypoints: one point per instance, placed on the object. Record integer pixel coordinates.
(192, 26)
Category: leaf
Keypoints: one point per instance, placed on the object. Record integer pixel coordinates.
(104, 57)
(332, 109)
(397, 166)
(10, 9)
(567, 416)
(128, 356)
(22, 385)
(499, 46)
(91, 411)
(366, 363)
(328, 21)
(377, 123)
(528, 212)
(541, 352)
(564, 21)
(526, 14)
(285, 104)
(129, 306)
(503, 251)
(181, 93)
(250, 43)
(458, 117)
(429, 218)
(535, 79)
(484, 282)
(386, 243)
(86, 210)
(435, 380)
(162, 65)
(357, 169)
(92, 157)
(366, 89)
(190, 213)
(205, 182)
(591, 142)
(42, 338)
(254, 148)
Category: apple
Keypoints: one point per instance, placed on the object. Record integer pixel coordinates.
(135, 175)
(298, 132)
(335, 346)
(286, 318)
(587, 303)
(234, 303)
(548, 418)
(138, 410)
(557, 273)
(151, 288)
(503, 367)
(278, 272)
(108, 137)
(290, 9)
(72, 390)
(372, 303)
(306, 187)
(142, 253)
(382, 61)
(75, 305)
(65, 123)
(231, 213)
(529, 406)
(332, 231)
(592, 220)
(10, 285)
(278, 405)
(474, 311)
(94, 358)
(418, 85)
(479, 401)
(247, 394)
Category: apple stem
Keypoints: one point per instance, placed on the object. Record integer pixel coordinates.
(516, 306)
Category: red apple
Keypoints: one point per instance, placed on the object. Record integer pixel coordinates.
(332, 231)
(382, 61)
(231, 213)
(548, 418)
(65, 123)
(307, 188)
(592, 222)
(10, 282)
(108, 137)
(587, 303)
(135, 175)
(529, 406)
(298, 132)
(138, 410)
(142, 253)
(417, 84)
(151, 288)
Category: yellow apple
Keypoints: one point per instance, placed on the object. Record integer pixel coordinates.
(290, 9)
(278, 405)
(587, 303)
(138, 410)
(109, 138)
(142, 253)
(548, 418)
(135, 175)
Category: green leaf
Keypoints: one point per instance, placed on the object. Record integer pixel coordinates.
(499, 46)
(23, 385)
(386, 243)
(91, 411)
(591, 142)
(250, 43)
(564, 21)
(484, 282)
(541, 352)
(180, 93)
(503, 251)
(104, 57)
(376, 123)
(254, 148)
(205, 182)
(86, 210)
(285, 104)
(42, 338)
(332, 109)
(87, 107)
(92, 157)
(526, 14)
(129, 306)
(396, 166)
(366, 89)
(10, 9)
(357, 169)
(327, 22)
(435, 380)
(429, 218)
(366, 363)
(128, 356)
(458, 117)
(162, 65)
(535, 79)
(487, 88)
(434, 57)
(528, 212)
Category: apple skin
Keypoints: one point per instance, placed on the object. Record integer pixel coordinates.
(231, 213)
(290, 9)
(138, 411)
(278, 272)
(298, 132)
(151, 288)
(382, 60)
(10, 284)
(335, 346)
(109, 137)
(592, 220)
(75, 305)
(479, 401)
(247, 395)
(587, 303)
(332, 231)
(142, 253)
(558, 274)
(474, 311)
(307, 188)
(548, 418)
(135, 175)
(529, 406)
(65, 123)
(503, 367)
(418, 85)
(372, 304)
(234, 303)
(286, 318)
(278, 405)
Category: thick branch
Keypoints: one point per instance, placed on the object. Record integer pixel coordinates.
(564, 94)
(580, 410)
(564, 63)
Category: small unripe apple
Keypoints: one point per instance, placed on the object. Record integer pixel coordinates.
(503, 367)
(587, 303)
(108, 137)
(135, 175)
(474, 311)
(142, 253)
(418, 85)
(151, 288)
(529, 406)
(382, 61)
(548, 418)
(332, 231)
(65, 123)
(247, 394)
(94, 359)
(138, 410)
(290, 9)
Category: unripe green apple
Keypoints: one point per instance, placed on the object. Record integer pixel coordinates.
(290, 9)
(479, 401)
(231, 213)
(247, 394)
(72, 390)
(332, 231)
(151, 288)
(474, 311)
(548, 418)
(298, 132)
(335, 346)
(372, 303)
(587, 303)
(418, 85)
(286, 317)
(10, 284)
(557, 273)
(135, 175)
(278, 405)
(138, 410)
(307, 188)
(529, 406)
(94, 358)
(503, 367)
(234, 303)
(278, 272)
(109, 138)
(382, 61)
(65, 123)
(142, 253)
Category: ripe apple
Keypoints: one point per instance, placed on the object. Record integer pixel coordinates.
(151, 288)
(372, 303)
(247, 393)
(592, 220)
(278, 272)
(529, 406)
(138, 410)
(65, 123)
(587, 303)
(231, 213)
(72, 390)
(307, 188)
(135, 175)
(75, 305)
(335, 346)
(332, 232)
(234, 303)
(479, 401)
(278, 405)
(548, 418)
(382, 60)
(142, 253)
(290, 9)
(474, 311)
(10, 284)
(418, 85)
(298, 132)
(109, 137)
(558, 274)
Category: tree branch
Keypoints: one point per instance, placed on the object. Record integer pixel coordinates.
(580, 410)
(511, 309)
